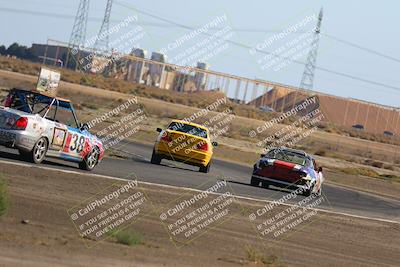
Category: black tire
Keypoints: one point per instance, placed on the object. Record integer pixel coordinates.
(254, 181)
(319, 193)
(155, 159)
(38, 153)
(307, 192)
(24, 154)
(205, 169)
(90, 161)
(264, 184)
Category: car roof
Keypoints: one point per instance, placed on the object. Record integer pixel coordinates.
(38, 93)
(300, 152)
(63, 103)
(191, 123)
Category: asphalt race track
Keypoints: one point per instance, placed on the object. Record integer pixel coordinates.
(176, 174)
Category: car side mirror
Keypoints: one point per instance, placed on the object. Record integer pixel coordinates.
(262, 155)
(84, 127)
(214, 143)
(320, 169)
(159, 130)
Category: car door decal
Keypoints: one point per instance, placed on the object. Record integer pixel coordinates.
(58, 138)
(77, 143)
(66, 146)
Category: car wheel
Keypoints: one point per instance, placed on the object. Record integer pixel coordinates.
(206, 168)
(90, 161)
(308, 191)
(319, 193)
(155, 159)
(254, 181)
(265, 184)
(38, 153)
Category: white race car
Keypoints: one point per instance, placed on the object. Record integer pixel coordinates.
(39, 125)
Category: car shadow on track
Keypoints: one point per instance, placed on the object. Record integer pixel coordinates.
(269, 188)
(8, 155)
(177, 167)
(170, 164)
(17, 157)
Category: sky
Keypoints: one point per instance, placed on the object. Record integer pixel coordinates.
(371, 25)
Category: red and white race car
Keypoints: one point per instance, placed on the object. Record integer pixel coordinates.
(288, 168)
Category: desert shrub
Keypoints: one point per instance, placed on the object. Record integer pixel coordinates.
(254, 256)
(127, 237)
(360, 171)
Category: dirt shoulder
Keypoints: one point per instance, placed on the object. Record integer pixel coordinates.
(50, 238)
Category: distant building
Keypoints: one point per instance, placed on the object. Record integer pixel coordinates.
(136, 69)
(156, 71)
(200, 78)
(49, 54)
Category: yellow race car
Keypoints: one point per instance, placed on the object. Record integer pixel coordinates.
(184, 142)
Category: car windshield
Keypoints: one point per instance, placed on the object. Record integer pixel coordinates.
(187, 128)
(288, 156)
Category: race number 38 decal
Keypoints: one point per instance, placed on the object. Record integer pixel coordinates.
(77, 143)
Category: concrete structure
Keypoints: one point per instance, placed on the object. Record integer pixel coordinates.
(337, 110)
(199, 77)
(136, 69)
(156, 71)
(48, 54)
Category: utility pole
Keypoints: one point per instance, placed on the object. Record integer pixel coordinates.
(78, 34)
(307, 81)
(102, 40)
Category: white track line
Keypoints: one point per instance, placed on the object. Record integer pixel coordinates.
(190, 189)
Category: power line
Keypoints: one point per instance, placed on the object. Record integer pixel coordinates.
(264, 52)
(361, 47)
(174, 24)
(161, 25)
(52, 15)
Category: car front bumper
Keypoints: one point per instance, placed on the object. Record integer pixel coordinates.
(303, 184)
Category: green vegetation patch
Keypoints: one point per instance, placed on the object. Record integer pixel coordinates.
(4, 198)
(127, 237)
